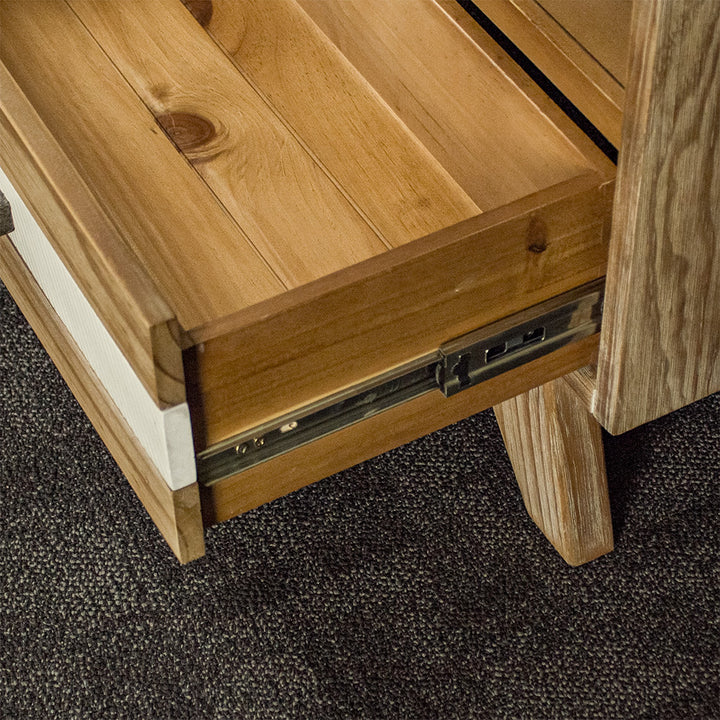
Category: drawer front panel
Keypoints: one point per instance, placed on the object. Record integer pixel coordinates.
(165, 434)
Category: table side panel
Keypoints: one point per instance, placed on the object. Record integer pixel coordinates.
(660, 343)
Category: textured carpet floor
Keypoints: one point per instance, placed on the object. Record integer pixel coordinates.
(413, 586)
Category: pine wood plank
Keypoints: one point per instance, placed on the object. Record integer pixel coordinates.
(385, 312)
(660, 346)
(117, 287)
(164, 212)
(461, 98)
(555, 446)
(297, 217)
(602, 27)
(595, 91)
(176, 513)
(365, 147)
(379, 434)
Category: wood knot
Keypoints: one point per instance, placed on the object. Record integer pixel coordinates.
(201, 10)
(537, 235)
(189, 132)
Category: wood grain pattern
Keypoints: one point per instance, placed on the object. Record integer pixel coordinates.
(113, 280)
(571, 67)
(555, 446)
(291, 211)
(371, 154)
(602, 27)
(176, 513)
(345, 329)
(260, 238)
(584, 383)
(163, 211)
(458, 97)
(660, 345)
(383, 432)
(201, 10)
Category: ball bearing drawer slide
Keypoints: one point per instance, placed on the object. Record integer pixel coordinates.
(454, 367)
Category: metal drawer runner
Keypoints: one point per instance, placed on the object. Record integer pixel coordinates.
(454, 367)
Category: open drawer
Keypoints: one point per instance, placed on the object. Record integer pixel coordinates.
(289, 210)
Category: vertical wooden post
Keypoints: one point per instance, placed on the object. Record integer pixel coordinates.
(660, 342)
(555, 446)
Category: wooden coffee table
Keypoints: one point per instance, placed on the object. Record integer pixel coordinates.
(265, 241)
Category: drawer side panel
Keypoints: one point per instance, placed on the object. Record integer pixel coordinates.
(387, 312)
(164, 434)
(175, 512)
(383, 432)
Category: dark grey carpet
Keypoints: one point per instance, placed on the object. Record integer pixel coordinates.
(413, 586)
(6, 221)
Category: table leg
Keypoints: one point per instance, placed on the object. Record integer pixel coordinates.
(555, 446)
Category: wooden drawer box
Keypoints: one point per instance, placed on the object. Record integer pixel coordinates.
(240, 213)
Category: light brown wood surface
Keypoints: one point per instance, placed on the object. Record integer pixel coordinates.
(165, 213)
(176, 513)
(291, 211)
(660, 345)
(302, 184)
(394, 308)
(578, 73)
(602, 27)
(115, 283)
(584, 383)
(555, 446)
(265, 182)
(459, 98)
(378, 434)
(381, 166)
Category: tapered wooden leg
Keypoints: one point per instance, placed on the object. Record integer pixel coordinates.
(555, 446)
